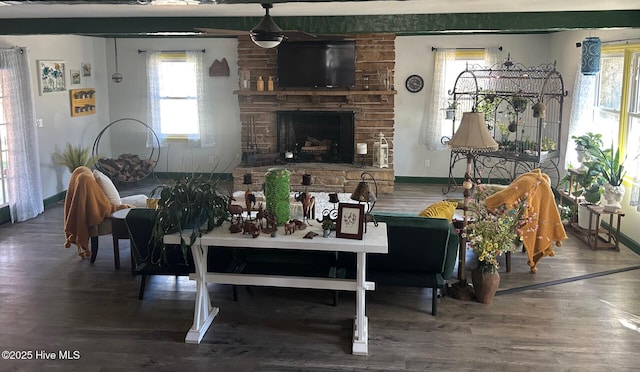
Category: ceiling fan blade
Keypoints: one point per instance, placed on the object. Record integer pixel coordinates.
(296, 35)
(221, 32)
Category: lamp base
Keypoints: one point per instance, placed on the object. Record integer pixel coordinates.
(461, 290)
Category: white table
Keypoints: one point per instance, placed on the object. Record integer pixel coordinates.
(374, 241)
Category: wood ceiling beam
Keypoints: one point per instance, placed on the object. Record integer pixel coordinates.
(413, 24)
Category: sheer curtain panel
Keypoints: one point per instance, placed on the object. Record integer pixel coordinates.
(434, 119)
(23, 171)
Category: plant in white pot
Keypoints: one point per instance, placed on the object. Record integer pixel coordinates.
(609, 165)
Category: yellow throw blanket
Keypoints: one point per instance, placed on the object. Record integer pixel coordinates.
(85, 205)
(546, 226)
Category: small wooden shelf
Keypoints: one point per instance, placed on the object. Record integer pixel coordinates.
(83, 101)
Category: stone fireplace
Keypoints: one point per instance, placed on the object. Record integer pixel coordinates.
(270, 126)
(316, 136)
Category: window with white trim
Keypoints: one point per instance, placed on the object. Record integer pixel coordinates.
(178, 96)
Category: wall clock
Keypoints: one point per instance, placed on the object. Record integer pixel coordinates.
(414, 83)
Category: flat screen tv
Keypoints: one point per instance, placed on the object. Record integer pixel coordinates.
(322, 63)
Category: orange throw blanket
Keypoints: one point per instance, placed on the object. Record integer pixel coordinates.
(546, 226)
(85, 205)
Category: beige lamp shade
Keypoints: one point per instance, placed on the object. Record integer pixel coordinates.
(473, 135)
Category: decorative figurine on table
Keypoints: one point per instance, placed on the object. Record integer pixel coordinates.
(251, 228)
(235, 213)
(249, 197)
(308, 201)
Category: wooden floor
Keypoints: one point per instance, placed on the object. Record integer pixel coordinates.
(580, 312)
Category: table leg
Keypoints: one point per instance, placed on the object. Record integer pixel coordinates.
(618, 233)
(203, 313)
(360, 332)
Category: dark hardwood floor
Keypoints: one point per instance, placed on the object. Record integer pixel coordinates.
(580, 312)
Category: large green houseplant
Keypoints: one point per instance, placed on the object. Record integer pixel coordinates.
(191, 203)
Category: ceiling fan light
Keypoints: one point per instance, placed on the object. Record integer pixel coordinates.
(267, 34)
(266, 40)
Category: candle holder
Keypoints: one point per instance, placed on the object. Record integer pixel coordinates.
(361, 151)
(331, 213)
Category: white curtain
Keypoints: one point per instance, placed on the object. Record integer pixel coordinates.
(205, 137)
(634, 198)
(23, 170)
(581, 111)
(491, 56)
(434, 118)
(153, 98)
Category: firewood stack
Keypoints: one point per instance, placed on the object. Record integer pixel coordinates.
(126, 168)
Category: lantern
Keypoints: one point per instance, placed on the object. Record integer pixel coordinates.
(590, 63)
(381, 152)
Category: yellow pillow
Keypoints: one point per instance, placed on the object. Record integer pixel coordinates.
(442, 209)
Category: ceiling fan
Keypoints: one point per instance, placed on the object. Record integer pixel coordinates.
(266, 33)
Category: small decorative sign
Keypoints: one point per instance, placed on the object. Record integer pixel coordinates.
(75, 77)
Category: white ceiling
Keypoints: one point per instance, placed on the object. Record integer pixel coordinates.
(16, 9)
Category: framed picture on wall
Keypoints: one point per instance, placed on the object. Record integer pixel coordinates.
(52, 76)
(86, 69)
(75, 77)
(350, 221)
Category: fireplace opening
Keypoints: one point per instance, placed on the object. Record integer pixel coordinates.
(316, 136)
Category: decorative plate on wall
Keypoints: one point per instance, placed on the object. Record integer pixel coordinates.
(414, 83)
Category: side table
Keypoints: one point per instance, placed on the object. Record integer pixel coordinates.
(119, 231)
(611, 238)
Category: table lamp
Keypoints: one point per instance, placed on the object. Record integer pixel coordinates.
(472, 136)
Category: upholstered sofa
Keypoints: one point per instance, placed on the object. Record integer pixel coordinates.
(422, 253)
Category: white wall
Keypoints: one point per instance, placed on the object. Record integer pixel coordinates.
(55, 108)
(128, 99)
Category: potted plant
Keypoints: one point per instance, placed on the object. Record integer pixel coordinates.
(588, 184)
(609, 165)
(539, 110)
(327, 226)
(73, 157)
(519, 103)
(584, 143)
(189, 202)
(450, 110)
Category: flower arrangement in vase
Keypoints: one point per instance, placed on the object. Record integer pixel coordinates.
(491, 234)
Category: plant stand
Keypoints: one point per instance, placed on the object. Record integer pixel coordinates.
(611, 237)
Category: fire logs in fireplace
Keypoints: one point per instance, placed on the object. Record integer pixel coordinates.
(317, 136)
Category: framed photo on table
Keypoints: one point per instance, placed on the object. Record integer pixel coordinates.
(350, 221)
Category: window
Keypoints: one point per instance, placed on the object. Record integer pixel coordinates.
(177, 102)
(454, 67)
(4, 152)
(178, 96)
(617, 101)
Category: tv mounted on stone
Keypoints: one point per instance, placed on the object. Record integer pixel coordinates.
(318, 63)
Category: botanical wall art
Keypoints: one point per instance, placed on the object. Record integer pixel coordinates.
(350, 221)
(52, 76)
(75, 77)
(86, 69)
